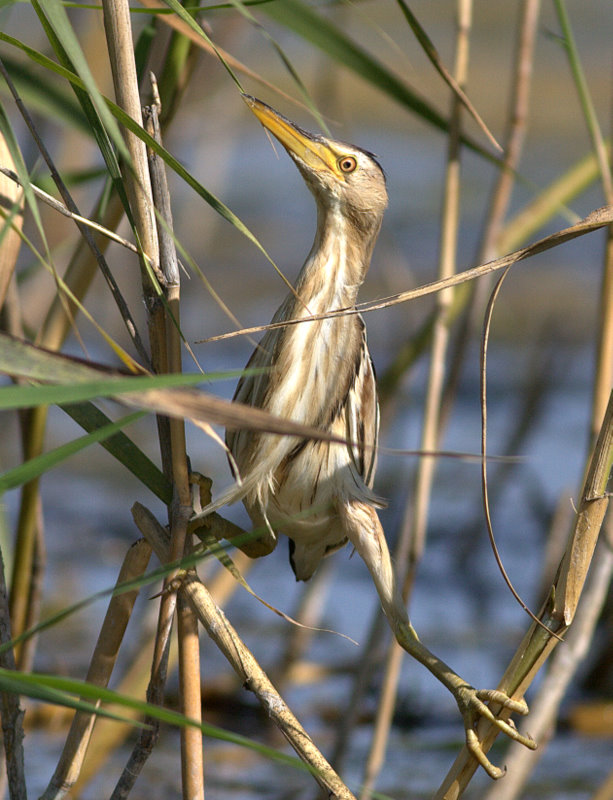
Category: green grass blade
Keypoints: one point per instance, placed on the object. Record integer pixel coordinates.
(216, 204)
(121, 447)
(241, 7)
(319, 31)
(31, 685)
(64, 691)
(35, 467)
(45, 97)
(585, 97)
(64, 41)
(189, 20)
(315, 28)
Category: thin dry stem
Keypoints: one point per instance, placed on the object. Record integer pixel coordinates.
(595, 220)
(385, 711)
(192, 764)
(10, 175)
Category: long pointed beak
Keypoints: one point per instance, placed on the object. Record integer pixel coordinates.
(312, 152)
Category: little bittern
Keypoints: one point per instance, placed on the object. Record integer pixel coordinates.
(319, 373)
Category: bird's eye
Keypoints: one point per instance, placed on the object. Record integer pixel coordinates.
(347, 164)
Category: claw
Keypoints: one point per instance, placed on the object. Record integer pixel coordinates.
(496, 696)
(471, 703)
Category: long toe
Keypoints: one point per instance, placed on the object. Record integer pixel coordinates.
(472, 706)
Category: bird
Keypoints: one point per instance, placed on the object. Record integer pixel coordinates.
(319, 372)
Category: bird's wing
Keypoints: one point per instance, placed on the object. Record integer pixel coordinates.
(250, 391)
(362, 416)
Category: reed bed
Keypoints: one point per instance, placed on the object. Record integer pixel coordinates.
(133, 272)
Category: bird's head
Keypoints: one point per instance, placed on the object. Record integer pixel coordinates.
(341, 176)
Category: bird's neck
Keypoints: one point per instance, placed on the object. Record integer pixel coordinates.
(337, 264)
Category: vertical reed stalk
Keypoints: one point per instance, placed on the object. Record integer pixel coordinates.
(118, 29)
(413, 534)
(516, 128)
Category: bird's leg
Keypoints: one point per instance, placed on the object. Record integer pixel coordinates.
(254, 544)
(364, 531)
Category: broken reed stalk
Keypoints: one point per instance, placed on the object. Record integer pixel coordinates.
(251, 675)
(544, 709)
(413, 534)
(192, 765)
(559, 609)
(108, 734)
(101, 666)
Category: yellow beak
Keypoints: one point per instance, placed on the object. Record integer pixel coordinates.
(315, 154)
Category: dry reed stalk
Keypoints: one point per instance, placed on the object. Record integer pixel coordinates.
(101, 666)
(138, 180)
(108, 734)
(251, 675)
(413, 536)
(604, 367)
(559, 609)
(605, 791)
(192, 765)
(118, 28)
(190, 697)
(517, 126)
(516, 129)
(566, 660)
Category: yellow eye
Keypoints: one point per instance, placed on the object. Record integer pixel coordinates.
(347, 164)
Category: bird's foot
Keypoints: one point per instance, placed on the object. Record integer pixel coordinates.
(472, 704)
